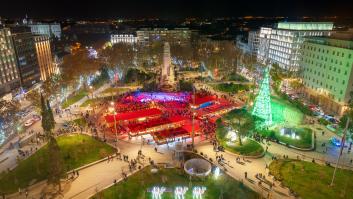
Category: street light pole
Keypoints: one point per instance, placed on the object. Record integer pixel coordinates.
(193, 118)
(112, 109)
(116, 132)
(343, 140)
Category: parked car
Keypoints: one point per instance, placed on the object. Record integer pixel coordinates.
(36, 118)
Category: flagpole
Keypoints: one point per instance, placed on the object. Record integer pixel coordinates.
(343, 140)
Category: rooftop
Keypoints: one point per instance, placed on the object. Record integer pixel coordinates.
(305, 25)
(334, 42)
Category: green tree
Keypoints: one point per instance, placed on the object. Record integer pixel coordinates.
(244, 125)
(56, 169)
(45, 117)
(51, 119)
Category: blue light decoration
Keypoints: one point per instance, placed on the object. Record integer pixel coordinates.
(204, 105)
(217, 173)
(335, 141)
(92, 53)
(157, 192)
(115, 74)
(179, 192)
(262, 107)
(198, 192)
(162, 96)
(2, 134)
(90, 79)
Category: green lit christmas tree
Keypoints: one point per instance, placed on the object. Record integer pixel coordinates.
(262, 107)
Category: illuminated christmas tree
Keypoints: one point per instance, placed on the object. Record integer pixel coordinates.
(262, 107)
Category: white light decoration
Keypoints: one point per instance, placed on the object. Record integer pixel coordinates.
(179, 192)
(216, 172)
(198, 192)
(290, 133)
(157, 192)
(231, 135)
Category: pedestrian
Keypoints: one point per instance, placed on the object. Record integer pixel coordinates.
(246, 174)
(77, 173)
(155, 149)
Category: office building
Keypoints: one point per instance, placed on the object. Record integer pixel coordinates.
(242, 45)
(48, 29)
(9, 76)
(283, 46)
(253, 42)
(123, 38)
(327, 71)
(264, 44)
(26, 56)
(179, 36)
(44, 56)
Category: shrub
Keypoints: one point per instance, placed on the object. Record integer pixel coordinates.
(323, 121)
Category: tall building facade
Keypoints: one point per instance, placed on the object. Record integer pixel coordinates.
(286, 39)
(253, 42)
(26, 56)
(9, 75)
(327, 72)
(49, 29)
(181, 36)
(264, 44)
(123, 38)
(44, 56)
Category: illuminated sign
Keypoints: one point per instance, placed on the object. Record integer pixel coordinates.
(157, 192)
(179, 192)
(198, 192)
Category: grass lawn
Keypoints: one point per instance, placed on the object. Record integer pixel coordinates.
(91, 102)
(76, 151)
(311, 181)
(80, 122)
(249, 148)
(136, 186)
(230, 88)
(114, 90)
(74, 98)
(305, 135)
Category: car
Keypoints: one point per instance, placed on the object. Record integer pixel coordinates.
(36, 118)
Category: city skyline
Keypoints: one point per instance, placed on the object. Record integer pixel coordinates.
(174, 9)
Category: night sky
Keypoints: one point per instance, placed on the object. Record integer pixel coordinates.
(173, 9)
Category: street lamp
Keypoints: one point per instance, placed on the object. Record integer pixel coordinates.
(193, 117)
(91, 90)
(112, 109)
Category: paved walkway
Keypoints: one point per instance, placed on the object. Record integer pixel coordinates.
(97, 177)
